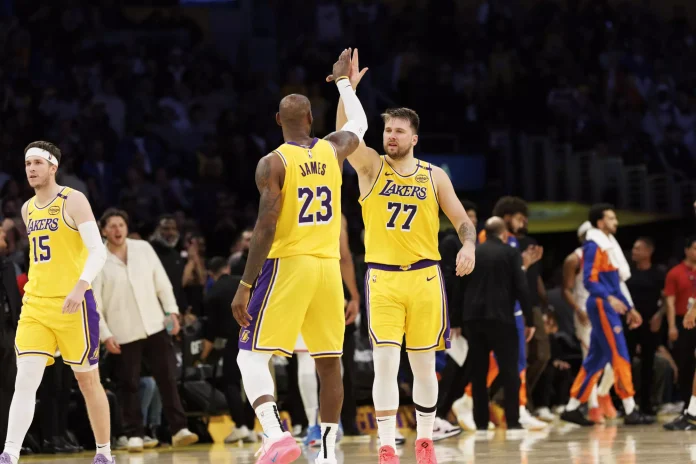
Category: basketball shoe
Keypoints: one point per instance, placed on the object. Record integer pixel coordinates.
(425, 451)
(281, 450)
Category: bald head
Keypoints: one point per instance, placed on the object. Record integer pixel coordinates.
(495, 227)
(295, 111)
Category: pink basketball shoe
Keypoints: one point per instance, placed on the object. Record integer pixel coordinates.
(425, 451)
(387, 455)
(281, 450)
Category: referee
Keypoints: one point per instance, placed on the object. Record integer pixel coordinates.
(489, 321)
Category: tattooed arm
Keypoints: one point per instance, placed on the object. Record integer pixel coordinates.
(269, 180)
(450, 204)
(270, 175)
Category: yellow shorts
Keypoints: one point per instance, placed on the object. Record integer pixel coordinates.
(409, 302)
(293, 295)
(43, 328)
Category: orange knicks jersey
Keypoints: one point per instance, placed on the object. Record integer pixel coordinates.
(402, 217)
(310, 216)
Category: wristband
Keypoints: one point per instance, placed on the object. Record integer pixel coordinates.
(244, 284)
(341, 78)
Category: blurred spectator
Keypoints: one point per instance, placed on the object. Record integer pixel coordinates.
(164, 241)
(221, 325)
(240, 252)
(679, 292)
(10, 306)
(139, 313)
(645, 285)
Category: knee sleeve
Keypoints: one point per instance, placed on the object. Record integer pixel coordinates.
(385, 390)
(424, 379)
(256, 374)
(307, 379)
(30, 371)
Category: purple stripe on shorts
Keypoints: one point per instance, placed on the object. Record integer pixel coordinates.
(257, 302)
(92, 318)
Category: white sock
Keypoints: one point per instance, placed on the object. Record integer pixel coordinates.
(104, 450)
(607, 381)
(270, 419)
(386, 428)
(573, 404)
(328, 441)
(692, 406)
(30, 371)
(312, 416)
(594, 401)
(629, 405)
(308, 385)
(425, 421)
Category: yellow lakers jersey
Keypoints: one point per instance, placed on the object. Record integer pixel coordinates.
(401, 216)
(310, 215)
(57, 254)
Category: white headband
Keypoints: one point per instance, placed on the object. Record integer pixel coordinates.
(35, 151)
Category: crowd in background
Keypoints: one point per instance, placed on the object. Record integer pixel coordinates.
(171, 133)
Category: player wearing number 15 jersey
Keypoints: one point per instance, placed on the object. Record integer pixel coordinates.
(292, 279)
(59, 312)
(401, 198)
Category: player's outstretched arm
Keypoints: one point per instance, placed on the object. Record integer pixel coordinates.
(346, 140)
(453, 208)
(79, 212)
(270, 174)
(364, 159)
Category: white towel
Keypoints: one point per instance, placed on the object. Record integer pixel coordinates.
(610, 245)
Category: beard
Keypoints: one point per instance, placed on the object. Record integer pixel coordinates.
(399, 154)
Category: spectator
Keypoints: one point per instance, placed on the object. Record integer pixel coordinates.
(496, 283)
(221, 324)
(645, 285)
(164, 241)
(680, 293)
(136, 302)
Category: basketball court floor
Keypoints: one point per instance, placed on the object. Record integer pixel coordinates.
(559, 444)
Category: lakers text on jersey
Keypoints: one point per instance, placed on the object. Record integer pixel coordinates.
(300, 289)
(405, 290)
(57, 257)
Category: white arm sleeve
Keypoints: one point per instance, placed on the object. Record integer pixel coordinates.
(357, 119)
(626, 293)
(89, 231)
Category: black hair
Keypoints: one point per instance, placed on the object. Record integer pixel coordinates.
(469, 206)
(597, 211)
(508, 205)
(690, 241)
(217, 264)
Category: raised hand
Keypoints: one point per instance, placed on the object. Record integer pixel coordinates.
(342, 66)
(355, 73)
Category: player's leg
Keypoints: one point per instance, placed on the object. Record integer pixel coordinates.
(598, 355)
(687, 420)
(323, 331)
(612, 326)
(277, 306)
(583, 332)
(427, 331)
(386, 322)
(35, 345)
(78, 340)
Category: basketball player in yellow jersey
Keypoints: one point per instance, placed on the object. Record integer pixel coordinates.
(292, 280)
(59, 312)
(401, 198)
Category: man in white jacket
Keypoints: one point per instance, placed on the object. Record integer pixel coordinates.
(139, 312)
